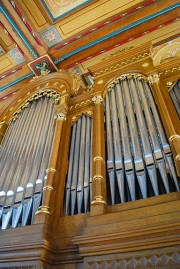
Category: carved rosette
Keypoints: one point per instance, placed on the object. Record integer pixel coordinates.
(97, 99)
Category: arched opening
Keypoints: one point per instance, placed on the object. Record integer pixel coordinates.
(139, 159)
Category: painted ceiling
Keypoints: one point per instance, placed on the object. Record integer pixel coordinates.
(75, 34)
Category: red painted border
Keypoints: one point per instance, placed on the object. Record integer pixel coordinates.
(10, 73)
(112, 47)
(125, 41)
(116, 18)
(11, 38)
(25, 22)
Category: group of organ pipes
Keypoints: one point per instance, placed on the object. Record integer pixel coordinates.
(139, 162)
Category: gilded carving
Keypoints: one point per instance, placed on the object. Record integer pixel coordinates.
(114, 67)
(43, 209)
(97, 99)
(47, 187)
(97, 158)
(60, 116)
(173, 137)
(50, 170)
(165, 52)
(153, 78)
(174, 69)
(48, 93)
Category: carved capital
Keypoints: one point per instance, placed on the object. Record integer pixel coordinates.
(97, 99)
(60, 116)
(153, 78)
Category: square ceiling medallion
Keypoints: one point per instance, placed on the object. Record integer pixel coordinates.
(43, 65)
(60, 8)
(51, 36)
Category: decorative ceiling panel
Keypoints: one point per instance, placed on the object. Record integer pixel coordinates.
(60, 8)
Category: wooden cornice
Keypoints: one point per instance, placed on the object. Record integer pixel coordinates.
(121, 60)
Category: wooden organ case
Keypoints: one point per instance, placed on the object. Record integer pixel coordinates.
(104, 193)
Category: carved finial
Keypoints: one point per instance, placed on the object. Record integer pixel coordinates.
(153, 78)
(97, 99)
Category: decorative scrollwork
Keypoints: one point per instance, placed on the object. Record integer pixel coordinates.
(42, 93)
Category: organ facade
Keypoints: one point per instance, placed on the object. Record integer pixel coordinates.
(90, 162)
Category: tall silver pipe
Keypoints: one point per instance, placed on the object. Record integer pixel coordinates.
(128, 163)
(75, 168)
(158, 123)
(110, 151)
(87, 164)
(32, 140)
(9, 155)
(175, 96)
(117, 148)
(161, 134)
(22, 152)
(70, 168)
(19, 147)
(153, 134)
(5, 141)
(138, 160)
(80, 182)
(41, 137)
(147, 151)
(46, 151)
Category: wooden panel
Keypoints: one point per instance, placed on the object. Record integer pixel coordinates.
(5, 41)
(92, 15)
(34, 13)
(118, 38)
(6, 63)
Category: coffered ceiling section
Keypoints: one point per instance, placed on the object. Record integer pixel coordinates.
(76, 33)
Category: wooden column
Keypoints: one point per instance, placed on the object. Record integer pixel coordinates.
(98, 203)
(3, 127)
(169, 117)
(45, 209)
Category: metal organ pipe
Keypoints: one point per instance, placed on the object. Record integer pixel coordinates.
(87, 167)
(110, 152)
(75, 168)
(161, 134)
(22, 157)
(158, 154)
(133, 128)
(175, 96)
(136, 143)
(78, 178)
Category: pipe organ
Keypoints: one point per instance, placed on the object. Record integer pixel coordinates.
(24, 158)
(76, 172)
(79, 179)
(139, 159)
(175, 96)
